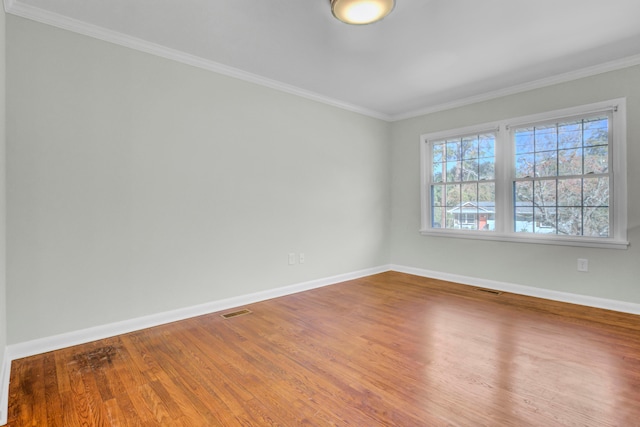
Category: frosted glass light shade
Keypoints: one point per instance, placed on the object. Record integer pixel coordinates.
(360, 12)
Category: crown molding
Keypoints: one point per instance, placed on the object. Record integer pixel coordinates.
(8, 4)
(16, 8)
(536, 84)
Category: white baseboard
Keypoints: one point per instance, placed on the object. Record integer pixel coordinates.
(5, 372)
(42, 345)
(56, 342)
(615, 305)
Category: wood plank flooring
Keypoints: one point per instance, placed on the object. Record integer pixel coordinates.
(386, 350)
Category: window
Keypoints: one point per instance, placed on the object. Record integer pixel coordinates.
(462, 188)
(562, 177)
(556, 178)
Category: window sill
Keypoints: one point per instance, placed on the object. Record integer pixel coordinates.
(607, 243)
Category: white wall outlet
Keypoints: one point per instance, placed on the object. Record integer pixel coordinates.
(301, 258)
(292, 258)
(583, 264)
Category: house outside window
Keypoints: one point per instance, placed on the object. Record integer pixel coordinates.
(473, 216)
(554, 178)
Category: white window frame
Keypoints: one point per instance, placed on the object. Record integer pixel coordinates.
(505, 172)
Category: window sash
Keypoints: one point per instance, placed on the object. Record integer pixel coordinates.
(531, 148)
(448, 155)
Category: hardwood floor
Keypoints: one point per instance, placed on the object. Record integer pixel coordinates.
(387, 350)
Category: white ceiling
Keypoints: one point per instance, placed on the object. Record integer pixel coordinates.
(426, 55)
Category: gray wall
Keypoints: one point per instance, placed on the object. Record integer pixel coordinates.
(3, 210)
(613, 274)
(138, 185)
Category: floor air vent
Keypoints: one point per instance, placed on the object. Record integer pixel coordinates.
(488, 291)
(236, 313)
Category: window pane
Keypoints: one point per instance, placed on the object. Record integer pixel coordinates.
(546, 164)
(486, 206)
(544, 220)
(439, 172)
(470, 170)
(546, 138)
(596, 222)
(453, 195)
(523, 209)
(453, 150)
(570, 135)
(596, 131)
(438, 152)
(523, 193)
(570, 192)
(545, 193)
(486, 167)
(454, 170)
(570, 162)
(486, 222)
(470, 193)
(524, 165)
(450, 220)
(467, 217)
(570, 221)
(524, 141)
(523, 219)
(596, 159)
(438, 214)
(487, 193)
(596, 192)
(436, 195)
(470, 147)
(487, 146)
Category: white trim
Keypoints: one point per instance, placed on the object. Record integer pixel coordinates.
(589, 301)
(540, 239)
(617, 104)
(504, 170)
(56, 342)
(100, 33)
(620, 195)
(489, 127)
(15, 7)
(425, 166)
(5, 373)
(68, 339)
(606, 67)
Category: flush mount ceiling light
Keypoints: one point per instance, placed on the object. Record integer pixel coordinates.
(360, 12)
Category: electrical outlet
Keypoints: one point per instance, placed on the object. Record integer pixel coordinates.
(583, 265)
(292, 258)
(301, 258)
